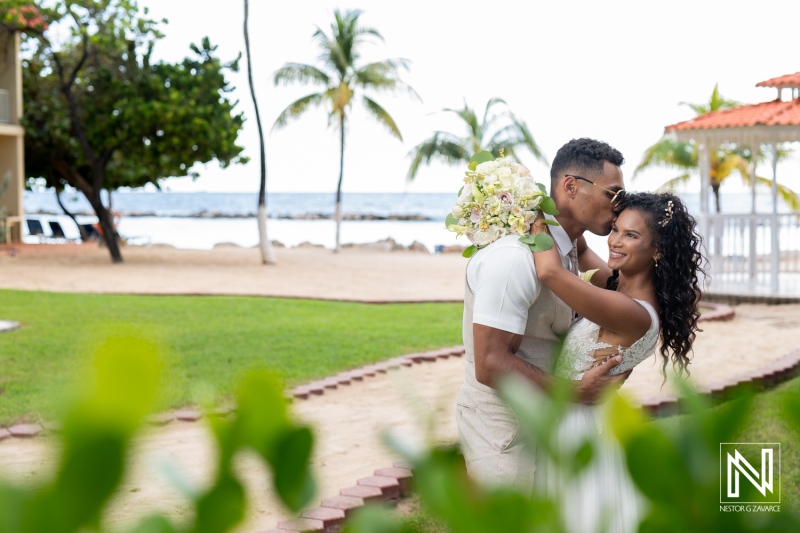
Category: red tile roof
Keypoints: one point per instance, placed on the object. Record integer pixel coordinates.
(783, 82)
(25, 18)
(775, 113)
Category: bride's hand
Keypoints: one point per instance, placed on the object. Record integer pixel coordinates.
(548, 262)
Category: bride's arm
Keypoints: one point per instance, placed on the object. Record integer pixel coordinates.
(589, 260)
(611, 310)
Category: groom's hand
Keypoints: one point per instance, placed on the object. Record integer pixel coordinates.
(596, 381)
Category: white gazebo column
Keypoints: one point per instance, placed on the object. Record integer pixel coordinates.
(753, 222)
(704, 162)
(775, 250)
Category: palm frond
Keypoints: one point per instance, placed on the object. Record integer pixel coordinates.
(297, 108)
(382, 116)
(715, 103)
(728, 163)
(383, 76)
(671, 184)
(300, 72)
(513, 136)
(443, 146)
(468, 115)
(491, 103)
(786, 194)
(369, 31)
(323, 42)
(669, 153)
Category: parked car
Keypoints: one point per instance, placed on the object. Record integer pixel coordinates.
(56, 229)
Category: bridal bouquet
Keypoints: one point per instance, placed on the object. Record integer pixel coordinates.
(499, 198)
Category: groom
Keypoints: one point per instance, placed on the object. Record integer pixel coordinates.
(513, 323)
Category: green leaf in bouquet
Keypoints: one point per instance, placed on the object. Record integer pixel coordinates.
(538, 243)
(541, 187)
(550, 222)
(481, 157)
(460, 190)
(544, 241)
(548, 206)
(470, 251)
(450, 220)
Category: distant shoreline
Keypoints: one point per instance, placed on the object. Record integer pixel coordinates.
(213, 214)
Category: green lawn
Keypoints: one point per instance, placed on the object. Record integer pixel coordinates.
(207, 341)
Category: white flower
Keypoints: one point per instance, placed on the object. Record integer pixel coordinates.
(480, 238)
(475, 216)
(527, 186)
(486, 168)
(529, 217)
(523, 171)
(533, 204)
(457, 210)
(506, 198)
(506, 180)
(466, 195)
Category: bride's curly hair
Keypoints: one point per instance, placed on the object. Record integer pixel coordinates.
(677, 273)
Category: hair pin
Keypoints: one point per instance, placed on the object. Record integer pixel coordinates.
(667, 214)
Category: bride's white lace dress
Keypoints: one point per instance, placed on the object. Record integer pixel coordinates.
(602, 496)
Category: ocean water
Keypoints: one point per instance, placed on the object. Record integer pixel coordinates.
(281, 205)
(200, 220)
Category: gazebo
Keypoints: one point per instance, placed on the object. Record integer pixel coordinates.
(744, 250)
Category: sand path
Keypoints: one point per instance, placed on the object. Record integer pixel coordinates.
(349, 420)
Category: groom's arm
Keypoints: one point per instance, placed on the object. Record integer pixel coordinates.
(494, 358)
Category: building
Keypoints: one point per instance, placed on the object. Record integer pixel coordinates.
(12, 135)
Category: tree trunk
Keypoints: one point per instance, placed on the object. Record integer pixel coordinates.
(267, 253)
(337, 249)
(106, 220)
(109, 232)
(267, 250)
(84, 236)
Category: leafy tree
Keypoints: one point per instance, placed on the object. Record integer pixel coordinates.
(102, 114)
(725, 160)
(339, 76)
(267, 253)
(495, 131)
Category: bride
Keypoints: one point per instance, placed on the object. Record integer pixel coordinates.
(653, 291)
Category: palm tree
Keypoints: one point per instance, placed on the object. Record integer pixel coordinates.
(267, 252)
(507, 132)
(684, 156)
(339, 76)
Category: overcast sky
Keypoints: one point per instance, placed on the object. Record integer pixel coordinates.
(613, 70)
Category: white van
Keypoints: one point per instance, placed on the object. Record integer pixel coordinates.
(55, 229)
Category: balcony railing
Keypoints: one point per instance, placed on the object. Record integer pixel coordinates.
(752, 250)
(5, 107)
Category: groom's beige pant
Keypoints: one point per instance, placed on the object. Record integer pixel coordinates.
(495, 452)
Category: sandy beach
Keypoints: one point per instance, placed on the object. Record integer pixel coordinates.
(354, 274)
(349, 420)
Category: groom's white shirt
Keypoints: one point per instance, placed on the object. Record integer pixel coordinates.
(503, 292)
